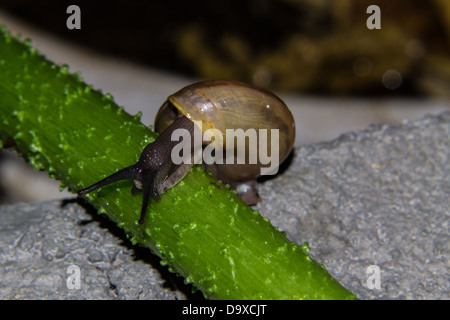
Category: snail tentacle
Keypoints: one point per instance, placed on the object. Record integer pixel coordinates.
(123, 174)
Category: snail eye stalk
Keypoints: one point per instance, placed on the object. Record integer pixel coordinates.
(123, 174)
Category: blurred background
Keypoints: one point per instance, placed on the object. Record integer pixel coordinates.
(335, 73)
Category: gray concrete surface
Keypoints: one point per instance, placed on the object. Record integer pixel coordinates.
(40, 241)
(374, 197)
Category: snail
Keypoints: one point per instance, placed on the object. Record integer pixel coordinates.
(214, 109)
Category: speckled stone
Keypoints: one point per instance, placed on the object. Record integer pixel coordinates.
(40, 241)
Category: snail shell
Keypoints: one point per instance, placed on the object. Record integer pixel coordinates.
(234, 105)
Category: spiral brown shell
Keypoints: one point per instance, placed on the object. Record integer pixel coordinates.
(232, 105)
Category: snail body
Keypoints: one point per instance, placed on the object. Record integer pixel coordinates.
(218, 106)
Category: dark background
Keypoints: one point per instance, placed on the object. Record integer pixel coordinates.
(294, 45)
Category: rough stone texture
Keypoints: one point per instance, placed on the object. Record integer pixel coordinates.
(376, 197)
(39, 241)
